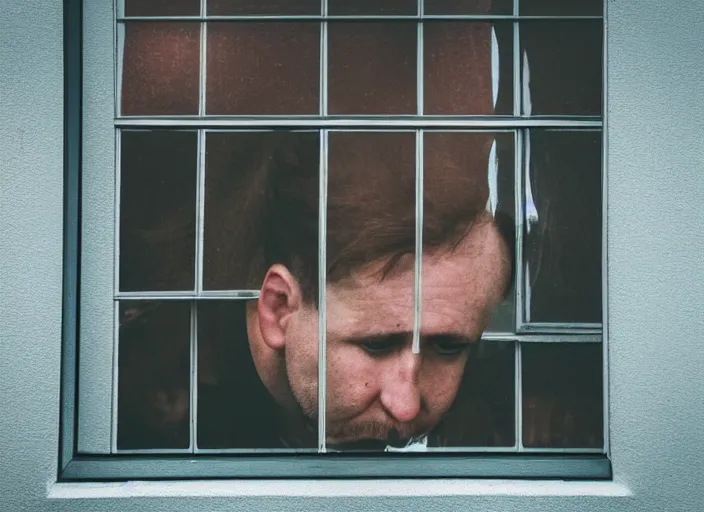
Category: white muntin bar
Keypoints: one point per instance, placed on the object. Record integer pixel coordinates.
(604, 239)
(372, 17)
(193, 380)
(418, 267)
(359, 122)
(518, 381)
(322, 281)
(203, 59)
(190, 295)
(517, 110)
(322, 240)
(115, 376)
(200, 212)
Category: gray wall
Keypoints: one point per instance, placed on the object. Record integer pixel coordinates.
(655, 273)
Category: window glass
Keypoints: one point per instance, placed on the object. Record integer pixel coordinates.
(153, 394)
(263, 68)
(458, 237)
(157, 210)
(159, 66)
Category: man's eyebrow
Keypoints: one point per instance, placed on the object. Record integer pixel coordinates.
(394, 338)
(400, 338)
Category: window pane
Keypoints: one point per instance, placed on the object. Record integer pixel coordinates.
(372, 7)
(162, 7)
(263, 68)
(372, 68)
(153, 405)
(564, 64)
(460, 77)
(483, 413)
(370, 255)
(159, 68)
(466, 173)
(468, 7)
(157, 210)
(242, 173)
(563, 227)
(235, 410)
(265, 7)
(561, 8)
(562, 395)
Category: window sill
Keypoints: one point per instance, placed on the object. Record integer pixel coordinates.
(335, 488)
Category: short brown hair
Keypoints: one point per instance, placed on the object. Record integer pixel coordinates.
(267, 211)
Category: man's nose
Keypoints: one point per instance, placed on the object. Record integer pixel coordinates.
(400, 395)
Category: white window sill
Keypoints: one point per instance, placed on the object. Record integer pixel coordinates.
(338, 488)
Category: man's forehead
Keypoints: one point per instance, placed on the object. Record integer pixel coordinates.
(459, 289)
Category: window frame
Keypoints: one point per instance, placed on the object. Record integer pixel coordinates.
(77, 466)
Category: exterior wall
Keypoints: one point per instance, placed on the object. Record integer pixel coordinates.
(655, 276)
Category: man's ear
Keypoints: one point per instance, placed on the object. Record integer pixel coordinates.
(279, 298)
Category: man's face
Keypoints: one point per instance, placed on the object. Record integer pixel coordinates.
(377, 388)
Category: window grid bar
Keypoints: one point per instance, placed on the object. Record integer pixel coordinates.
(322, 270)
(567, 337)
(115, 376)
(408, 122)
(418, 267)
(193, 380)
(189, 295)
(116, 287)
(203, 60)
(200, 212)
(516, 64)
(606, 415)
(251, 451)
(155, 451)
(361, 18)
(518, 370)
(559, 327)
(518, 204)
(312, 451)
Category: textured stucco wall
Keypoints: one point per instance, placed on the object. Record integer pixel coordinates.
(656, 273)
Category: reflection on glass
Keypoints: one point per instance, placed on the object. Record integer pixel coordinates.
(483, 413)
(235, 410)
(370, 253)
(562, 395)
(563, 63)
(245, 178)
(561, 8)
(157, 210)
(153, 401)
(263, 7)
(160, 68)
(263, 68)
(464, 73)
(467, 7)
(563, 227)
(372, 7)
(162, 7)
(463, 168)
(372, 68)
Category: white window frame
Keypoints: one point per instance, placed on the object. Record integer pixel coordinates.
(654, 273)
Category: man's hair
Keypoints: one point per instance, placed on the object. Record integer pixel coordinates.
(262, 188)
(265, 210)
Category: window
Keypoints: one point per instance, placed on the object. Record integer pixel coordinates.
(407, 123)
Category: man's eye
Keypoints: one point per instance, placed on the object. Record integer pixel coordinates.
(378, 348)
(450, 349)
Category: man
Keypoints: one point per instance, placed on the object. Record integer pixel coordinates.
(377, 389)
